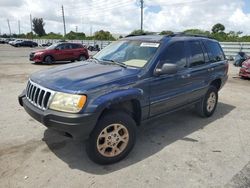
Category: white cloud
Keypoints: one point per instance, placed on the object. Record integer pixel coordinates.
(124, 16)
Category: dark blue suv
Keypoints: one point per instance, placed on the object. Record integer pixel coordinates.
(132, 80)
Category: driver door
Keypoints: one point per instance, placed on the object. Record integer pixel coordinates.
(168, 92)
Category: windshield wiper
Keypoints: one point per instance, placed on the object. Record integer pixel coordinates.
(116, 63)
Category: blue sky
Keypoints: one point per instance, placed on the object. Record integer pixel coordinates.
(123, 16)
(246, 8)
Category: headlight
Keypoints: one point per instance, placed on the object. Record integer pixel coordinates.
(244, 66)
(38, 53)
(68, 102)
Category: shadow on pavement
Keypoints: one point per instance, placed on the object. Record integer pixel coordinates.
(152, 138)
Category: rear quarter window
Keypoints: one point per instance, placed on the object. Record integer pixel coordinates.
(214, 51)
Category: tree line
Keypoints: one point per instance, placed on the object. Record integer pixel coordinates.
(39, 33)
(217, 32)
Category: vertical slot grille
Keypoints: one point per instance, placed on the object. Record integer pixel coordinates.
(38, 95)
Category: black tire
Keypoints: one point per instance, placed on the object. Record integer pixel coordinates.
(48, 59)
(81, 58)
(204, 108)
(107, 120)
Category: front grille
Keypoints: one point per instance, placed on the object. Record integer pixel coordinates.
(38, 95)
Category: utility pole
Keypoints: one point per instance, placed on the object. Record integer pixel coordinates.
(8, 21)
(31, 29)
(142, 2)
(19, 30)
(76, 28)
(64, 26)
(91, 29)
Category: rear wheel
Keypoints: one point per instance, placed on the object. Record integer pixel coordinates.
(81, 58)
(112, 139)
(207, 105)
(48, 60)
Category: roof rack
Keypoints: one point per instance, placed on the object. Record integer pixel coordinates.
(187, 35)
(134, 35)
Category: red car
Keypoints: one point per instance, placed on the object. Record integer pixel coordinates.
(60, 52)
(245, 69)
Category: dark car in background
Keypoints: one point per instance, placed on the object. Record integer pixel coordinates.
(26, 43)
(46, 44)
(60, 52)
(245, 69)
(240, 58)
(94, 48)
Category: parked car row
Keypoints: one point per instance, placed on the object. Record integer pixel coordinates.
(6, 40)
(18, 42)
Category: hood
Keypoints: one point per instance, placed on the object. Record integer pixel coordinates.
(42, 50)
(83, 76)
(246, 63)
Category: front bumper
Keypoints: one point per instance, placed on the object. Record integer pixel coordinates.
(79, 126)
(36, 58)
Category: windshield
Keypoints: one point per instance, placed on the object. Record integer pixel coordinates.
(130, 53)
(53, 46)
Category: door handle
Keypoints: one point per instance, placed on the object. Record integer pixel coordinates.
(185, 76)
(210, 70)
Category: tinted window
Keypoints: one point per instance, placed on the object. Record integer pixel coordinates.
(214, 51)
(74, 46)
(175, 54)
(61, 47)
(68, 46)
(196, 56)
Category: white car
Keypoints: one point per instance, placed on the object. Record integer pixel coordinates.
(15, 41)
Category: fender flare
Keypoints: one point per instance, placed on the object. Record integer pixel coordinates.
(114, 97)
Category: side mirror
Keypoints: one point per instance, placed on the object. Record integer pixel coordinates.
(167, 68)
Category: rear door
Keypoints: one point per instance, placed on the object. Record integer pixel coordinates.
(69, 52)
(77, 48)
(217, 62)
(197, 70)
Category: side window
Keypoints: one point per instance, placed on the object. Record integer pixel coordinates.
(75, 46)
(61, 47)
(196, 54)
(68, 46)
(175, 54)
(214, 51)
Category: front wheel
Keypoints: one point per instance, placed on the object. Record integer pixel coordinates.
(48, 60)
(112, 139)
(208, 104)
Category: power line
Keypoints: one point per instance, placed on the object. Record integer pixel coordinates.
(64, 26)
(99, 6)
